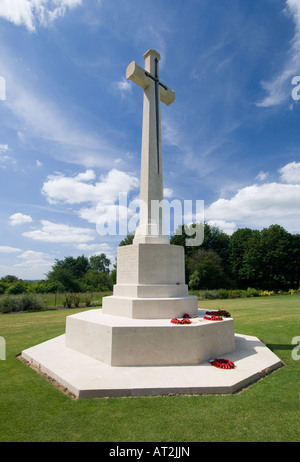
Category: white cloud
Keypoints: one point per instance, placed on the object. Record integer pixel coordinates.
(77, 190)
(5, 159)
(33, 257)
(274, 199)
(260, 205)
(60, 233)
(290, 173)
(94, 247)
(168, 193)
(171, 132)
(8, 249)
(29, 13)
(33, 264)
(123, 85)
(227, 227)
(3, 147)
(279, 88)
(19, 219)
(262, 176)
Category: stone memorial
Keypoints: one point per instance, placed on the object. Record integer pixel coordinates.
(130, 346)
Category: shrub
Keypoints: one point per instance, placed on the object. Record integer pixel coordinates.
(210, 294)
(25, 302)
(88, 301)
(252, 292)
(263, 293)
(18, 287)
(68, 300)
(10, 304)
(223, 293)
(71, 299)
(31, 302)
(76, 300)
(237, 293)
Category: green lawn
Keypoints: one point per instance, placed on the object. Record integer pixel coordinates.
(32, 409)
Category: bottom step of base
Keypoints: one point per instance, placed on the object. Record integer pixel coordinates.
(86, 377)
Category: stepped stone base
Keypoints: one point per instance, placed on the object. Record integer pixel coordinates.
(120, 341)
(130, 347)
(150, 308)
(150, 283)
(87, 377)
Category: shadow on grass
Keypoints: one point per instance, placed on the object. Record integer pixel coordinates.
(280, 346)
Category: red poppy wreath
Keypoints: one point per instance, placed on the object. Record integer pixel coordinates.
(181, 321)
(222, 363)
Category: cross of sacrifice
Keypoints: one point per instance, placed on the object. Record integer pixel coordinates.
(151, 188)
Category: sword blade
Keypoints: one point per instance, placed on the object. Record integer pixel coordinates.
(157, 111)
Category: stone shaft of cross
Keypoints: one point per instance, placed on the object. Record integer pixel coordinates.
(150, 228)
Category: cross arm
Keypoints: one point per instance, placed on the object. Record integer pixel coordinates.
(138, 75)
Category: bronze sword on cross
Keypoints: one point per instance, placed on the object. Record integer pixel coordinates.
(162, 92)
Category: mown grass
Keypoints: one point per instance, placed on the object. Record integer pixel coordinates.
(32, 409)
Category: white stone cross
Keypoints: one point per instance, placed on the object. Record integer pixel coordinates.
(150, 229)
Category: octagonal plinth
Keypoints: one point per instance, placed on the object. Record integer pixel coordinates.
(85, 377)
(120, 341)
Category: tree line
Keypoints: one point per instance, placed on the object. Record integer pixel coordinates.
(80, 274)
(268, 259)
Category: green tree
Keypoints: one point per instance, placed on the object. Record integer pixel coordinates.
(69, 272)
(65, 277)
(127, 240)
(266, 259)
(17, 287)
(100, 263)
(206, 271)
(277, 248)
(94, 280)
(43, 287)
(241, 256)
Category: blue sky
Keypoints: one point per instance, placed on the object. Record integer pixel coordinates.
(70, 132)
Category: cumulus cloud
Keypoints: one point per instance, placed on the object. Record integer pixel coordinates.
(261, 176)
(275, 199)
(168, 193)
(19, 219)
(79, 189)
(290, 173)
(8, 249)
(262, 205)
(32, 264)
(227, 227)
(30, 257)
(30, 13)
(60, 233)
(94, 247)
(124, 86)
